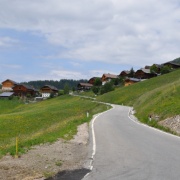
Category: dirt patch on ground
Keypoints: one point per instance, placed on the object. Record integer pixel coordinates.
(173, 123)
(47, 160)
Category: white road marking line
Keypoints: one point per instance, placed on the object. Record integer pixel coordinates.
(94, 139)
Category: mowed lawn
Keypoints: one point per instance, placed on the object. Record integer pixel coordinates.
(42, 122)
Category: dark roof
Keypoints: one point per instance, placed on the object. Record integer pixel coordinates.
(170, 62)
(85, 84)
(94, 78)
(147, 71)
(27, 87)
(51, 87)
(125, 71)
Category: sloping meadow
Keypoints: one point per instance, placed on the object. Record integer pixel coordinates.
(158, 97)
(43, 122)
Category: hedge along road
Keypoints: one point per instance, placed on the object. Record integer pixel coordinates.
(126, 149)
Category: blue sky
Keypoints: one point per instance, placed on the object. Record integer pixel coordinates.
(68, 39)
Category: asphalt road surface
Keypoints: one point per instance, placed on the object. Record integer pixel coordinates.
(126, 150)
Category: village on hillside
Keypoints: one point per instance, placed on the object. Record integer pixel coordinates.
(11, 88)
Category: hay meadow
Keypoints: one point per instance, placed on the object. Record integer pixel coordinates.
(42, 122)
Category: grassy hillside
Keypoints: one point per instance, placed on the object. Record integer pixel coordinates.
(157, 96)
(42, 122)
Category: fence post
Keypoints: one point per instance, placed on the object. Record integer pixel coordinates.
(16, 156)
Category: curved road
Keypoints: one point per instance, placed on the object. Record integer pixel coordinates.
(126, 150)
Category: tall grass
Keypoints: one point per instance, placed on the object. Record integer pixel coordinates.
(44, 121)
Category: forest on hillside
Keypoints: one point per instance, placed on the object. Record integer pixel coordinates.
(58, 84)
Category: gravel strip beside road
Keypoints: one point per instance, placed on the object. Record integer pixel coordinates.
(49, 159)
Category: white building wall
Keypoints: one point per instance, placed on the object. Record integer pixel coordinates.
(46, 95)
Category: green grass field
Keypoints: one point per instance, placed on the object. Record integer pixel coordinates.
(42, 122)
(157, 96)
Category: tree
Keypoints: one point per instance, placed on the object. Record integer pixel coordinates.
(98, 82)
(131, 73)
(107, 88)
(165, 69)
(73, 89)
(95, 89)
(154, 69)
(66, 88)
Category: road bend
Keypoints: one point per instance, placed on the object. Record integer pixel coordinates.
(127, 150)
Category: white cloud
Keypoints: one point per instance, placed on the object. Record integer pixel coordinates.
(7, 42)
(119, 32)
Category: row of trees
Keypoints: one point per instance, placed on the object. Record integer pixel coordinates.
(61, 84)
(160, 70)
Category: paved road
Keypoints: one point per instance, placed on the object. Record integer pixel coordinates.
(130, 151)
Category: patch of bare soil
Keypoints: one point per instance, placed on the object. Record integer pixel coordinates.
(173, 123)
(47, 160)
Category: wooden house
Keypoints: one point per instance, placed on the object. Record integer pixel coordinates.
(144, 74)
(92, 80)
(129, 81)
(124, 74)
(84, 86)
(24, 90)
(8, 85)
(47, 90)
(172, 65)
(107, 78)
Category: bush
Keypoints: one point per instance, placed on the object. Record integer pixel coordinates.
(95, 89)
(10, 97)
(61, 92)
(165, 69)
(107, 88)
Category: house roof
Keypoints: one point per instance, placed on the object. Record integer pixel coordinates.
(85, 84)
(133, 79)
(147, 71)
(10, 81)
(51, 87)
(26, 86)
(6, 94)
(112, 76)
(170, 62)
(125, 71)
(94, 78)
